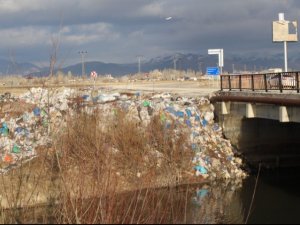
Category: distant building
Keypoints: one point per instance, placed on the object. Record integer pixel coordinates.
(274, 70)
(108, 76)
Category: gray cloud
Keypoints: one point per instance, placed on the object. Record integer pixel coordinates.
(118, 30)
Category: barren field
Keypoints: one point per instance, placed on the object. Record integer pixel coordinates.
(184, 88)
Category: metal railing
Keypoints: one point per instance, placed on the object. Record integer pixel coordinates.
(262, 82)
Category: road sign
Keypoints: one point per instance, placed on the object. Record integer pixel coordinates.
(220, 54)
(212, 71)
(214, 51)
(94, 74)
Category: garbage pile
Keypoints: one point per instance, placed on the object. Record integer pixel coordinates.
(46, 110)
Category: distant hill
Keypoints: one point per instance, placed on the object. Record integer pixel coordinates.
(102, 68)
(196, 62)
(7, 68)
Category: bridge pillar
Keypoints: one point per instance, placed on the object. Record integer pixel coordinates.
(283, 114)
(250, 110)
(225, 107)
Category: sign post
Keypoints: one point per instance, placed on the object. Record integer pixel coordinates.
(220, 53)
(285, 31)
(94, 75)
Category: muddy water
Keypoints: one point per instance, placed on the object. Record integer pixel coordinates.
(277, 200)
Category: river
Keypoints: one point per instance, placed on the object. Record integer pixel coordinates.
(276, 200)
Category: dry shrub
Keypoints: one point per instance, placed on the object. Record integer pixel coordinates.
(100, 156)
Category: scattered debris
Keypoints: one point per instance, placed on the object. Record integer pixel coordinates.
(44, 113)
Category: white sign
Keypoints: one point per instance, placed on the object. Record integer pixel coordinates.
(94, 74)
(214, 51)
(218, 52)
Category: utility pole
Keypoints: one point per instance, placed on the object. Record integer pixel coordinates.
(139, 62)
(232, 68)
(82, 53)
(174, 61)
(200, 68)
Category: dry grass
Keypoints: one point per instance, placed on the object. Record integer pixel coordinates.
(97, 158)
(101, 157)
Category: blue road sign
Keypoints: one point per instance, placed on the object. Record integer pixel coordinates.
(212, 71)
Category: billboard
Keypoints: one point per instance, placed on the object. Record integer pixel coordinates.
(285, 31)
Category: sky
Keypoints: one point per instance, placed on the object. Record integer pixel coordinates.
(118, 31)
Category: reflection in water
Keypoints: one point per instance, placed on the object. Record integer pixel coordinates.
(201, 203)
(217, 203)
(276, 201)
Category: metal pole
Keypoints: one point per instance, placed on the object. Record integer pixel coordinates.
(240, 82)
(266, 82)
(297, 80)
(285, 57)
(83, 67)
(81, 64)
(82, 54)
(139, 65)
(200, 68)
(221, 79)
(174, 61)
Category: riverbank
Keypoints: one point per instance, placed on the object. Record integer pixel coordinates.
(87, 143)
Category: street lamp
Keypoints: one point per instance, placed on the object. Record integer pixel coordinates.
(82, 53)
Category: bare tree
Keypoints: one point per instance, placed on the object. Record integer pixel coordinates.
(55, 41)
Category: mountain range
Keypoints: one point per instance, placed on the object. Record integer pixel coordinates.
(196, 62)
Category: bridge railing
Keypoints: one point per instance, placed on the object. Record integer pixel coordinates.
(262, 82)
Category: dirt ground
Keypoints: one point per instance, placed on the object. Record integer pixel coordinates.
(184, 88)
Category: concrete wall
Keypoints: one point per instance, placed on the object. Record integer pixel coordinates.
(261, 140)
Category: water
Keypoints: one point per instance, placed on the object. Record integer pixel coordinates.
(277, 197)
(276, 201)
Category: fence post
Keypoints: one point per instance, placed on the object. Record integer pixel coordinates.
(280, 82)
(229, 80)
(240, 82)
(221, 79)
(252, 82)
(266, 85)
(297, 82)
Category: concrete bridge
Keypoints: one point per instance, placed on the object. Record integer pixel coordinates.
(260, 114)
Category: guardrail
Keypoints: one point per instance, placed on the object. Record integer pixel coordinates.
(262, 82)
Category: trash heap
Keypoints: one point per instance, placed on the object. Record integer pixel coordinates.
(25, 124)
(214, 156)
(46, 110)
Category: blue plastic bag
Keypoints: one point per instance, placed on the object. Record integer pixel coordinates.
(201, 169)
(204, 123)
(180, 114)
(171, 110)
(37, 111)
(189, 113)
(188, 123)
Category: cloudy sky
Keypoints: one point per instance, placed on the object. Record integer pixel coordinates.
(119, 30)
